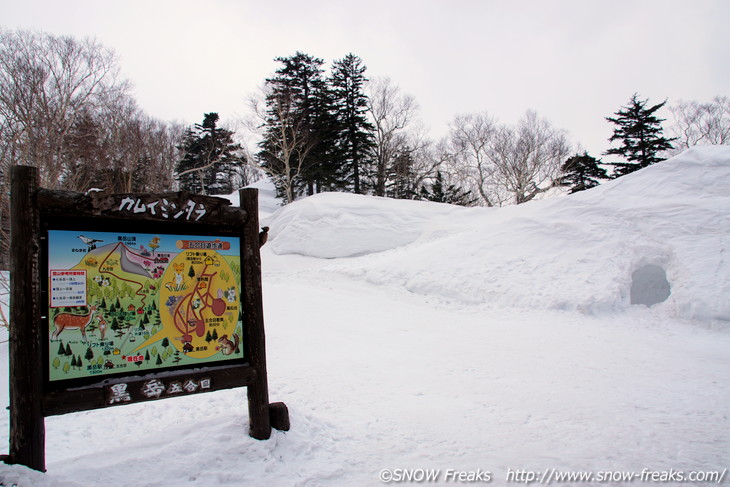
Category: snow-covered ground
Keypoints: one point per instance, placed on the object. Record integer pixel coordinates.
(412, 335)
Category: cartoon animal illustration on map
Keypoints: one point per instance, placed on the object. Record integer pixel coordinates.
(90, 242)
(68, 321)
(226, 346)
(102, 326)
(178, 268)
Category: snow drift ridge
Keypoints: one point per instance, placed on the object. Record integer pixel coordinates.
(576, 252)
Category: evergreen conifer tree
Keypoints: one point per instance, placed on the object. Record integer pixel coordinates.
(581, 172)
(639, 132)
(355, 132)
(323, 172)
(211, 159)
(446, 194)
(297, 141)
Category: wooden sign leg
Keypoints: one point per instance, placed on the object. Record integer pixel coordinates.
(253, 316)
(27, 429)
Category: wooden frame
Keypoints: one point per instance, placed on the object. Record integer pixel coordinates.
(32, 396)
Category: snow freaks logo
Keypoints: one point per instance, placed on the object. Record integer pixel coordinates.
(548, 476)
(421, 475)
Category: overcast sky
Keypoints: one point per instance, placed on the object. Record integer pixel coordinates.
(574, 62)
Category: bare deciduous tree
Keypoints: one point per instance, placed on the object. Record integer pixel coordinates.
(415, 161)
(467, 153)
(46, 83)
(700, 123)
(285, 153)
(64, 109)
(392, 113)
(503, 164)
(529, 157)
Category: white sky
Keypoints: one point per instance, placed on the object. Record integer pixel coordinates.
(573, 61)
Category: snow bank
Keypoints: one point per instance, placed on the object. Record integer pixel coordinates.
(268, 203)
(267, 197)
(572, 253)
(332, 225)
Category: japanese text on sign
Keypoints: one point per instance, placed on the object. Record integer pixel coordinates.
(164, 208)
(155, 388)
(68, 288)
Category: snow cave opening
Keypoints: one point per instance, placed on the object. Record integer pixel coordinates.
(649, 285)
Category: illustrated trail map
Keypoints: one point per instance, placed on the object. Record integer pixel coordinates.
(121, 302)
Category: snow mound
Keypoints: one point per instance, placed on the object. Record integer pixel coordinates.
(332, 225)
(268, 203)
(577, 252)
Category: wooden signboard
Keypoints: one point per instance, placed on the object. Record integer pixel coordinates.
(117, 299)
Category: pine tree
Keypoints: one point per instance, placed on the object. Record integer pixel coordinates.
(211, 159)
(640, 133)
(354, 131)
(450, 194)
(295, 146)
(403, 180)
(582, 172)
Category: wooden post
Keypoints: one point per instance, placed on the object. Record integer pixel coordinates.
(253, 316)
(27, 430)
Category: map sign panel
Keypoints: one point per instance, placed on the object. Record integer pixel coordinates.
(127, 302)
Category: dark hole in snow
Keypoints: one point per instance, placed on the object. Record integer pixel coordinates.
(649, 285)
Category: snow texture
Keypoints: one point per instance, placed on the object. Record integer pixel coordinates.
(405, 334)
(575, 253)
